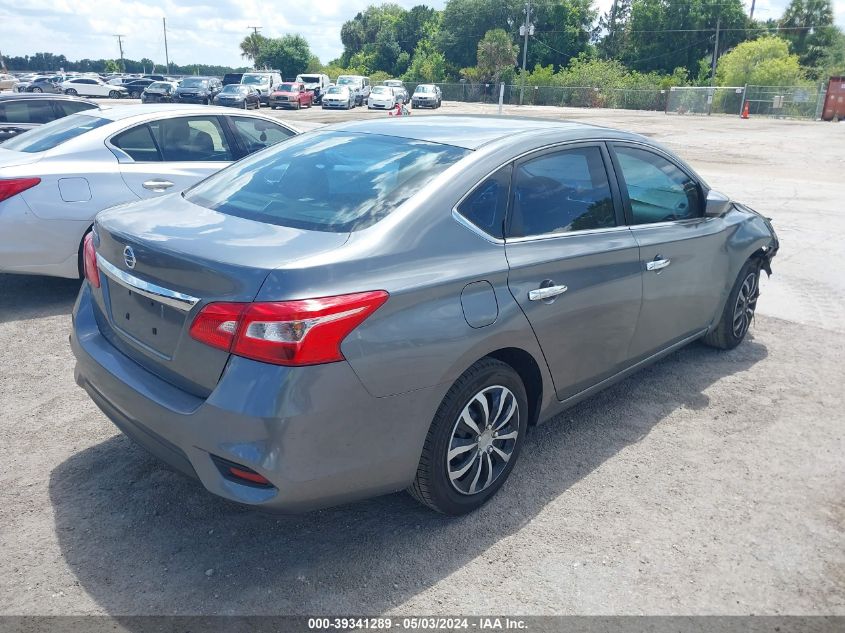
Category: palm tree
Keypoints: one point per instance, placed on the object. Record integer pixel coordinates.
(251, 46)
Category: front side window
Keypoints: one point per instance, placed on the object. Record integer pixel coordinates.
(561, 192)
(54, 133)
(326, 181)
(185, 139)
(256, 134)
(658, 190)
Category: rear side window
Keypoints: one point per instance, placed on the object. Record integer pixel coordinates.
(486, 205)
(184, 139)
(658, 190)
(29, 111)
(138, 143)
(561, 192)
(326, 181)
(54, 133)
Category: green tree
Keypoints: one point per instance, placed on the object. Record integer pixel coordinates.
(251, 46)
(765, 61)
(563, 31)
(428, 64)
(112, 66)
(465, 21)
(611, 28)
(496, 53)
(289, 54)
(808, 26)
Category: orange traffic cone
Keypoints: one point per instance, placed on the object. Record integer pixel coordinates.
(744, 111)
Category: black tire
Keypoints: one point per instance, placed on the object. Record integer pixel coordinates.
(741, 304)
(71, 92)
(433, 485)
(37, 90)
(114, 94)
(134, 94)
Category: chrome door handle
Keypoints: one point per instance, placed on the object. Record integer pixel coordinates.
(546, 293)
(658, 264)
(157, 185)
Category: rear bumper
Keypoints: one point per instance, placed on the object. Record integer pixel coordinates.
(314, 432)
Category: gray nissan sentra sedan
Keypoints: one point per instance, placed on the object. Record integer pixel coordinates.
(392, 304)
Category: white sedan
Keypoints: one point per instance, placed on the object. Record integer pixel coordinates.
(54, 179)
(382, 98)
(91, 87)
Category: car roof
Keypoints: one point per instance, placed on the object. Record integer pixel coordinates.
(121, 112)
(472, 132)
(40, 95)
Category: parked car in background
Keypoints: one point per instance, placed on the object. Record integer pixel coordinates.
(46, 84)
(232, 78)
(155, 77)
(398, 89)
(159, 92)
(316, 83)
(198, 90)
(135, 87)
(8, 82)
(382, 98)
(56, 178)
(338, 97)
(255, 332)
(238, 96)
(264, 82)
(358, 84)
(426, 96)
(291, 95)
(22, 112)
(90, 87)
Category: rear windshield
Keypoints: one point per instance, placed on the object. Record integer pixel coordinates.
(326, 181)
(54, 134)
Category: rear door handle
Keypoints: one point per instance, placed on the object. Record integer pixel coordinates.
(546, 293)
(157, 185)
(658, 263)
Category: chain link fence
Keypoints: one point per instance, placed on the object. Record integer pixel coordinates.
(773, 101)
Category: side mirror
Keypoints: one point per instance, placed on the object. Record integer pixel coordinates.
(717, 204)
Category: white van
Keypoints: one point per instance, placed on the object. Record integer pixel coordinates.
(316, 83)
(264, 81)
(358, 84)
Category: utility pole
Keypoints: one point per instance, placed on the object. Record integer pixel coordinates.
(255, 29)
(751, 15)
(711, 93)
(612, 27)
(525, 29)
(166, 55)
(120, 44)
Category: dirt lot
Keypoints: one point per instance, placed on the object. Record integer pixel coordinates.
(710, 483)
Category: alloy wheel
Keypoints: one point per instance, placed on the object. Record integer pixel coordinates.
(483, 440)
(746, 303)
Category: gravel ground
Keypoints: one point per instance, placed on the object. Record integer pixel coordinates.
(710, 483)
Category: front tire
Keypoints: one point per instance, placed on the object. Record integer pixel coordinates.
(474, 439)
(738, 313)
(71, 92)
(37, 90)
(114, 94)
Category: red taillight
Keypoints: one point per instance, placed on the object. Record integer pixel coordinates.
(304, 332)
(13, 186)
(89, 261)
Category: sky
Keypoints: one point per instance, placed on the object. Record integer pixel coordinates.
(201, 31)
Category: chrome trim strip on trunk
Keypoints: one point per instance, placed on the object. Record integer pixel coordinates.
(168, 297)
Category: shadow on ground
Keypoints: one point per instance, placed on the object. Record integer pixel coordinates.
(25, 297)
(140, 537)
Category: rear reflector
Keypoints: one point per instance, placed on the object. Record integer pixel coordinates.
(89, 260)
(13, 186)
(248, 475)
(241, 474)
(304, 332)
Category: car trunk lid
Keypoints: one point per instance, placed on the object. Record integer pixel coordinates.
(162, 260)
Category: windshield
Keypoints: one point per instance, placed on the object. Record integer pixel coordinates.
(326, 181)
(379, 90)
(336, 90)
(346, 81)
(393, 84)
(424, 89)
(53, 134)
(255, 80)
(233, 89)
(194, 82)
(286, 88)
(309, 79)
(160, 85)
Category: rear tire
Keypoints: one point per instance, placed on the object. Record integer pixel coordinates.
(482, 423)
(37, 90)
(71, 92)
(114, 94)
(739, 309)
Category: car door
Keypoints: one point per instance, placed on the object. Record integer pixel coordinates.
(574, 265)
(171, 154)
(682, 252)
